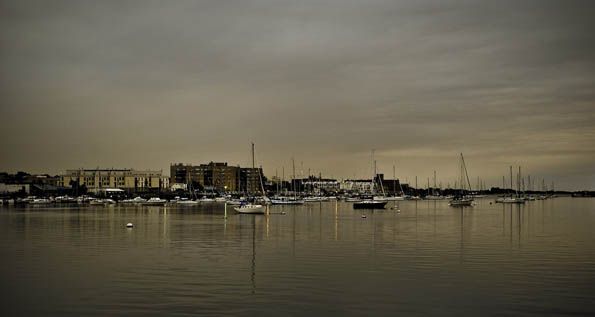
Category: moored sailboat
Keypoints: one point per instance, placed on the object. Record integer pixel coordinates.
(462, 200)
(371, 202)
(251, 207)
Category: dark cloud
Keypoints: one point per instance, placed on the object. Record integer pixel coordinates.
(145, 83)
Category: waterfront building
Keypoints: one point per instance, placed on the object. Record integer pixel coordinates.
(14, 188)
(127, 179)
(356, 185)
(390, 186)
(319, 185)
(250, 180)
(218, 176)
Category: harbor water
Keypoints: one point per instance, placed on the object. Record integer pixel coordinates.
(320, 259)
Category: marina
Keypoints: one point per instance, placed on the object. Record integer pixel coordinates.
(297, 158)
(466, 260)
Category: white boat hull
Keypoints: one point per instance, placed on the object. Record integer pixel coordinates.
(187, 202)
(250, 209)
(509, 200)
(461, 202)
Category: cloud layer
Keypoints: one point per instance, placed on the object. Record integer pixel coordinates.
(142, 84)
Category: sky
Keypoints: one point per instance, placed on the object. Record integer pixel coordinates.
(142, 84)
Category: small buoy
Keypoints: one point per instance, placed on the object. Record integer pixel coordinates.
(283, 212)
(398, 210)
(364, 216)
(129, 225)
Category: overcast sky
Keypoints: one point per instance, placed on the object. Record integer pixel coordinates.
(141, 84)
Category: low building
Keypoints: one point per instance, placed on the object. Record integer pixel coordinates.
(14, 188)
(319, 185)
(356, 185)
(130, 180)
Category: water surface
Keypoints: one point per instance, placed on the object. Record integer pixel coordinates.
(321, 259)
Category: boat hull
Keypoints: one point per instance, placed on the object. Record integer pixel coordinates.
(510, 201)
(187, 203)
(250, 209)
(287, 202)
(369, 204)
(461, 203)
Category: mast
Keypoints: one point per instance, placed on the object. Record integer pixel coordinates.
(310, 181)
(511, 187)
(394, 182)
(461, 177)
(253, 167)
(373, 173)
(465, 169)
(415, 185)
(293, 179)
(518, 185)
(301, 177)
(379, 181)
(277, 179)
(434, 189)
(283, 177)
(503, 183)
(261, 182)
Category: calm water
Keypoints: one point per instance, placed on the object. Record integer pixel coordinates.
(320, 259)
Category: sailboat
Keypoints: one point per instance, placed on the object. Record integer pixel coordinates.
(371, 203)
(249, 207)
(395, 197)
(433, 195)
(286, 200)
(511, 199)
(188, 201)
(461, 199)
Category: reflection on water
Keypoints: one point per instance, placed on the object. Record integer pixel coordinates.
(415, 257)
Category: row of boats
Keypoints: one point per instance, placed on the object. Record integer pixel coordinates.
(358, 201)
(522, 199)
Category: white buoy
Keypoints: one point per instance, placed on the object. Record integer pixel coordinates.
(364, 216)
(129, 225)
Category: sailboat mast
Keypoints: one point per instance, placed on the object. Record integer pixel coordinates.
(253, 156)
(415, 185)
(465, 169)
(511, 187)
(434, 189)
(394, 182)
(253, 166)
(293, 179)
(373, 173)
(518, 185)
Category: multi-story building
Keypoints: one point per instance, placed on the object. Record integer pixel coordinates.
(128, 179)
(217, 176)
(250, 180)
